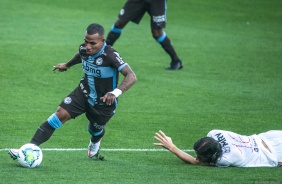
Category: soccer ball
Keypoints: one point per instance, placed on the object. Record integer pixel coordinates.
(30, 156)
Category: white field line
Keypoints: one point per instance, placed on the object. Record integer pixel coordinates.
(102, 149)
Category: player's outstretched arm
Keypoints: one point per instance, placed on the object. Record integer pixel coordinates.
(167, 143)
(65, 66)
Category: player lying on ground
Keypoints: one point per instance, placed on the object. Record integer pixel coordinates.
(224, 148)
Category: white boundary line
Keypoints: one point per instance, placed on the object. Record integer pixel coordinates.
(102, 149)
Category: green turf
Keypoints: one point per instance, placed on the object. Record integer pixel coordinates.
(231, 80)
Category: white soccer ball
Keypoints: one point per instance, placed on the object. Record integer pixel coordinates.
(30, 156)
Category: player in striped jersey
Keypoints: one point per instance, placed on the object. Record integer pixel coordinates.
(97, 93)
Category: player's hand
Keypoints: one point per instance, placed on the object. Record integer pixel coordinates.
(61, 67)
(108, 98)
(164, 140)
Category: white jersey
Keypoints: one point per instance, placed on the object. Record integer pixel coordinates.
(242, 151)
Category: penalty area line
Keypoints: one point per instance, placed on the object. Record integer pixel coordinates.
(102, 149)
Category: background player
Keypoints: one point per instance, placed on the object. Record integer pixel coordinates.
(134, 10)
(224, 148)
(96, 94)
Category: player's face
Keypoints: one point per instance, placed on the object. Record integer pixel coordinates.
(199, 158)
(93, 43)
(203, 159)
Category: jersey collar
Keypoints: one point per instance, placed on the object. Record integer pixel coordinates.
(101, 51)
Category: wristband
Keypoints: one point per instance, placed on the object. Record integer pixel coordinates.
(116, 92)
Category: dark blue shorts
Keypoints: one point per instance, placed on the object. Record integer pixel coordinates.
(134, 10)
(76, 104)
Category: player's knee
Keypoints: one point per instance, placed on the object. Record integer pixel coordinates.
(62, 115)
(119, 24)
(156, 33)
(160, 37)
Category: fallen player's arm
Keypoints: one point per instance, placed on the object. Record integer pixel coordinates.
(167, 143)
(184, 156)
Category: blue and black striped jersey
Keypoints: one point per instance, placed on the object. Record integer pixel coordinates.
(101, 72)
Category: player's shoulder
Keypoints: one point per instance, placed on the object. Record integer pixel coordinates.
(112, 54)
(82, 49)
(214, 131)
(109, 50)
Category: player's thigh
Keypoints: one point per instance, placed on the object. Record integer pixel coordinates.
(273, 138)
(132, 11)
(75, 103)
(98, 117)
(157, 11)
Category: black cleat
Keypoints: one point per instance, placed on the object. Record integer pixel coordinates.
(175, 65)
(97, 156)
(14, 153)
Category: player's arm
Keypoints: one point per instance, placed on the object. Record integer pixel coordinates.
(128, 80)
(64, 66)
(167, 143)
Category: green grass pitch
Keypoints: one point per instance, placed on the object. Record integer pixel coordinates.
(231, 80)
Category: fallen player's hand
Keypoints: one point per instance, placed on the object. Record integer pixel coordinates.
(164, 140)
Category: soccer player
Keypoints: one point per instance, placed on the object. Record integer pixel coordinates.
(224, 148)
(96, 94)
(134, 10)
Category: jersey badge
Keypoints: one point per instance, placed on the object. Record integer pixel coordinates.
(99, 61)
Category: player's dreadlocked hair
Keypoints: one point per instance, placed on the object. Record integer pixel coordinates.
(208, 150)
(95, 28)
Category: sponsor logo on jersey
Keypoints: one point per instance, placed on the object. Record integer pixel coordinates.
(67, 100)
(99, 61)
(92, 70)
(119, 58)
(83, 90)
(255, 146)
(81, 86)
(226, 149)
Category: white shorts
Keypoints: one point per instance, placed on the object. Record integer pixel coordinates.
(273, 139)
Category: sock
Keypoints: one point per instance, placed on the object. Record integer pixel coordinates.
(167, 46)
(43, 133)
(96, 136)
(113, 35)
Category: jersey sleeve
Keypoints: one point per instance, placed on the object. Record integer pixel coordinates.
(222, 162)
(117, 61)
